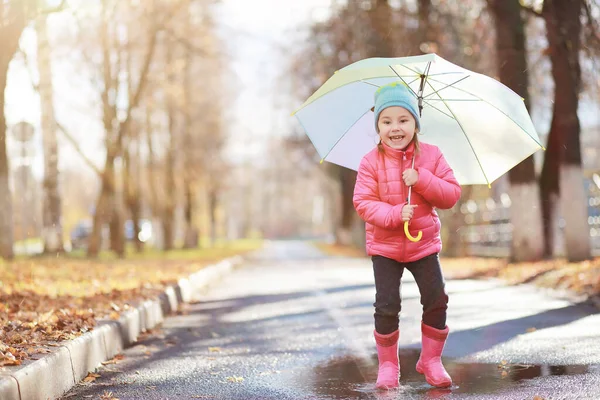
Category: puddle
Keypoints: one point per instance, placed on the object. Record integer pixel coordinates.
(348, 377)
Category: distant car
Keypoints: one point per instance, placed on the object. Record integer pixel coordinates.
(82, 231)
(80, 234)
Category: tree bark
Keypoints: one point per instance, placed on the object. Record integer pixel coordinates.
(52, 232)
(115, 134)
(212, 211)
(6, 215)
(563, 24)
(191, 230)
(12, 23)
(527, 237)
(347, 181)
(168, 214)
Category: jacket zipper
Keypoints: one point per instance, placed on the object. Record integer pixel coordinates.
(403, 191)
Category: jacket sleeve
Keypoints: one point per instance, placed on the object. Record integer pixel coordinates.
(440, 188)
(368, 204)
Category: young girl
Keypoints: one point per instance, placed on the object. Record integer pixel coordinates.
(380, 198)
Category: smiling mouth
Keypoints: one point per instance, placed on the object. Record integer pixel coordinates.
(396, 137)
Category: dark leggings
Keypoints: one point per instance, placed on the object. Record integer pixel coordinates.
(428, 275)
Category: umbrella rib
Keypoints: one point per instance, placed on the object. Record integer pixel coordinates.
(445, 87)
(466, 137)
(454, 100)
(505, 114)
(407, 85)
(434, 107)
(377, 86)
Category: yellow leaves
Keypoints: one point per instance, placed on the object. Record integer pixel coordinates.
(114, 315)
(235, 379)
(91, 377)
(48, 300)
(114, 360)
(214, 349)
(108, 396)
(532, 329)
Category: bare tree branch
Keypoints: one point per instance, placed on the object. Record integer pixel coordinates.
(591, 25)
(135, 99)
(68, 136)
(75, 145)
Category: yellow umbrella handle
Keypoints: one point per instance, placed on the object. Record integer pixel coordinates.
(409, 236)
(406, 231)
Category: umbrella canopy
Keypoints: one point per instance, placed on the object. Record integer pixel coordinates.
(482, 127)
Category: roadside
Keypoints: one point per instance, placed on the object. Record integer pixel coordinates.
(47, 300)
(581, 279)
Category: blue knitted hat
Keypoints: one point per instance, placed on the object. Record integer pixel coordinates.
(396, 94)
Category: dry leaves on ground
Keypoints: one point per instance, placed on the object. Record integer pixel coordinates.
(47, 300)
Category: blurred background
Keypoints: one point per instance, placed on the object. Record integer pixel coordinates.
(166, 123)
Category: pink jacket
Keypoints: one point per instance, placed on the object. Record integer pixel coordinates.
(380, 194)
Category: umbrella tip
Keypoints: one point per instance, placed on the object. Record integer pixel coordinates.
(321, 162)
(489, 185)
(543, 148)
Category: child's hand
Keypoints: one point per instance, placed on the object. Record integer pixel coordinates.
(410, 176)
(408, 211)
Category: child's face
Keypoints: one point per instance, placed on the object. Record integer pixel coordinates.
(396, 127)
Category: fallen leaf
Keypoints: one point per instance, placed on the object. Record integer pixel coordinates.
(91, 377)
(235, 379)
(214, 349)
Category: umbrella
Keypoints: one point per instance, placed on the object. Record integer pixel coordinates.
(481, 126)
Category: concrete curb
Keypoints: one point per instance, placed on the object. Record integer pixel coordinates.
(54, 374)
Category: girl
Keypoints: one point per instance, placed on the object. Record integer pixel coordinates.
(384, 176)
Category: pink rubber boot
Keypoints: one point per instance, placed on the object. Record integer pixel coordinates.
(430, 361)
(387, 353)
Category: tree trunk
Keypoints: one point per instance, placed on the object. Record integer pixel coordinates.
(549, 184)
(131, 182)
(347, 180)
(168, 216)
(102, 211)
(527, 238)
(563, 24)
(6, 215)
(52, 233)
(191, 233)
(212, 211)
(117, 227)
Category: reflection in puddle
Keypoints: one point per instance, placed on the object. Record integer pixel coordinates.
(348, 377)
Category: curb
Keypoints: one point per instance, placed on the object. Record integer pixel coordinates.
(56, 373)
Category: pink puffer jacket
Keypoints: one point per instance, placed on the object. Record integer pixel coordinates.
(380, 194)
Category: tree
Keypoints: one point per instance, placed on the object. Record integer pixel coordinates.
(52, 232)
(563, 25)
(14, 17)
(115, 127)
(527, 238)
(562, 176)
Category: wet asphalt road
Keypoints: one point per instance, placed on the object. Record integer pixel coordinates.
(293, 324)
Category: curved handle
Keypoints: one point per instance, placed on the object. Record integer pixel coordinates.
(409, 236)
